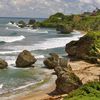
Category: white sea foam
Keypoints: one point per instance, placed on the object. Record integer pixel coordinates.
(30, 84)
(50, 43)
(9, 23)
(33, 30)
(9, 52)
(7, 28)
(1, 85)
(54, 43)
(11, 38)
(39, 56)
(47, 44)
(28, 30)
(12, 59)
(12, 24)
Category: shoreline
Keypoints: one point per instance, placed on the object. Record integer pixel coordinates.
(40, 93)
(82, 32)
(86, 72)
(45, 87)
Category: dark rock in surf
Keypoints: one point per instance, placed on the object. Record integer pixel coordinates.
(66, 79)
(21, 24)
(64, 29)
(50, 61)
(3, 64)
(25, 59)
(31, 22)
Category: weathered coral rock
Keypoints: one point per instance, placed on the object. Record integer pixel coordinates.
(3, 64)
(25, 59)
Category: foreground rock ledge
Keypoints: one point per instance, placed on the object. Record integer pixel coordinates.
(87, 47)
(50, 61)
(3, 64)
(25, 59)
(66, 79)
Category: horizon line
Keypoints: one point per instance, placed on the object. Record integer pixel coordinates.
(25, 17)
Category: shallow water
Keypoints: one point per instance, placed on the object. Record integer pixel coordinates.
(40, 42)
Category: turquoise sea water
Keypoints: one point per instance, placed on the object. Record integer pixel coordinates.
(40, 42)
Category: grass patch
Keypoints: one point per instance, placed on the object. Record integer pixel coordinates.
(89, 91)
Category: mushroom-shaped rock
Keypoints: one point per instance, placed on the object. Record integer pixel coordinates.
(66, 79)
(80, 48)
(3, 64)
(25, 59)
(50, 61)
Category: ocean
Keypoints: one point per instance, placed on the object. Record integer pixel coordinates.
(40, 42)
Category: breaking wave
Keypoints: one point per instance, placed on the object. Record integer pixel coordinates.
(6, 39)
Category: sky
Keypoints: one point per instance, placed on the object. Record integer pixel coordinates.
(44, 8)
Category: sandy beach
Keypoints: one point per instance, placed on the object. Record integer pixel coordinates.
(49, 49)
(84, 70)
(41, 92)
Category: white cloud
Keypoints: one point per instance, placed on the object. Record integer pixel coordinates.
(44, 8)
(86, 1)
(21, 2)
(92, 2)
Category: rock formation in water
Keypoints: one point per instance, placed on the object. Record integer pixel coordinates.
(66, 79)
(50, 61)
(3, 64)
(25, 59)
(21, 24)
(64, 29)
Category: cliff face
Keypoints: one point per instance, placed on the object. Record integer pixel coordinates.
(66, 79)
(87, 47)
(66, 23)
(79, 48)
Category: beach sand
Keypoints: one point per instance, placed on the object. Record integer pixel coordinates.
(85, 71)
(41, 92)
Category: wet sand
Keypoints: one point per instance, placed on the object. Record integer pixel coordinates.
(85, 71)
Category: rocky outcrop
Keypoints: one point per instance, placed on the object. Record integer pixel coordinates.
(32, 23)
(25, 59)
(64, 29)
(79, 48)
(50, 61)
(3, 64)
(21, 24)
(66, 79)
(85, 48)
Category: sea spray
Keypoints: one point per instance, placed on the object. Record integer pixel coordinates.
(11, 38)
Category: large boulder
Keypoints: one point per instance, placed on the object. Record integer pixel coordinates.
(79, 48)
(21, 24)
(50, 61)
(32, 23)
(64, 29)
(86, 48)
(25, 59)
(66, 79)
(3, 64)
(71, 48)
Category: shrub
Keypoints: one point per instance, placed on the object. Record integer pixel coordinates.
(89, 91)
